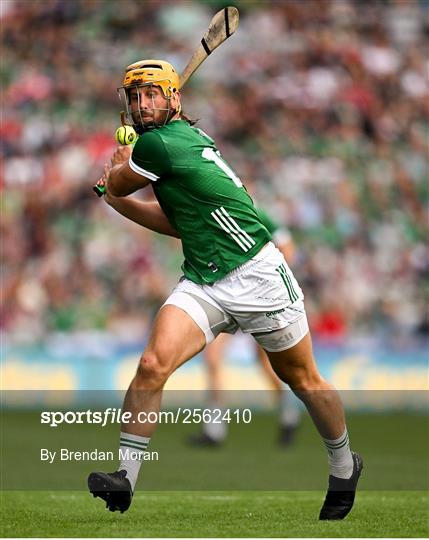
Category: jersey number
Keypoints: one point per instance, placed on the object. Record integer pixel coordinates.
(211, 155)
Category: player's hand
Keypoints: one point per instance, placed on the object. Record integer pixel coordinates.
(102, 184)
(121, 155)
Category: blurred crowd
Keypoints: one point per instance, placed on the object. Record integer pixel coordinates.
(321, 107)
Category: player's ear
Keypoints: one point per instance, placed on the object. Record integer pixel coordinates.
(175, 101)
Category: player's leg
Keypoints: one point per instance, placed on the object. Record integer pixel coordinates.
(297, 367)
(213, 357)
(175, 338)
(273, 380)
(265, 300)
(289, 413)
(213, 433)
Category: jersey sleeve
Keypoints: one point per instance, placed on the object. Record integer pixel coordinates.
(150, 157)
(266, 221)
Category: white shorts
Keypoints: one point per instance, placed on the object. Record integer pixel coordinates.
(261, 297)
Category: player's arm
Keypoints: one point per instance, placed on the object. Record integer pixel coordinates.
(131, 170)
(144, 213)
(284, 243)
(280, 236)
(122, 180)
(136, 168)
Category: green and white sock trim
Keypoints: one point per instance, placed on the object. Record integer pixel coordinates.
(135, 442)
(336, 444)
(340, 456)
(132, 449)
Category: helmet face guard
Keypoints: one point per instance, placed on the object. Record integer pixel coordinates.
(149, 73)
(135, 117)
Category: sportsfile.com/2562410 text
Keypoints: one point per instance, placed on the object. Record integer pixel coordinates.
(181, 415)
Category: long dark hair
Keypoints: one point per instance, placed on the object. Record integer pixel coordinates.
(186, 118)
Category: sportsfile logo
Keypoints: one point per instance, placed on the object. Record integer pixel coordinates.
(117, 416)
(272, 314)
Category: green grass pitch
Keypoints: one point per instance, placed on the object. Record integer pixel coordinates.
(212, 514)
(249, 488)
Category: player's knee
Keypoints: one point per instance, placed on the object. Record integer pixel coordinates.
(303, 380)
(150, 372)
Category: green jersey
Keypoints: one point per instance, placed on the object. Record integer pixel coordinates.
(267, 221)
(203, 199)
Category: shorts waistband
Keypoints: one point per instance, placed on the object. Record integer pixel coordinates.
(262, 254)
